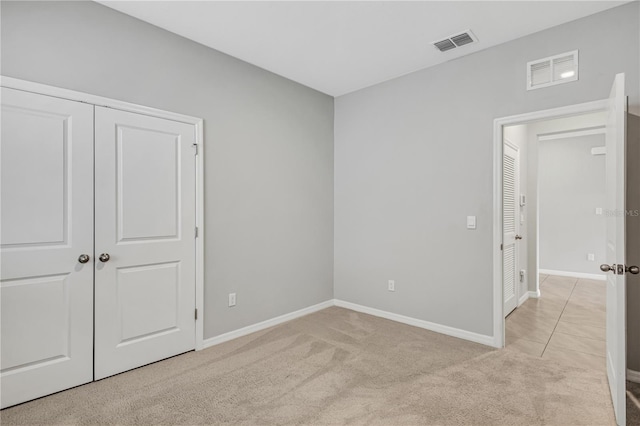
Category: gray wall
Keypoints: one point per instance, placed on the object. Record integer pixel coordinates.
(414, 155)
(268, 143)
(571, 186)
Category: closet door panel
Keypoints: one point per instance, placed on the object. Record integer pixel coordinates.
(145, 223)
(47, 223)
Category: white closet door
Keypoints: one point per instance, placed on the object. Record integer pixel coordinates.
(510, 203)
(47, 223)
(145, 223)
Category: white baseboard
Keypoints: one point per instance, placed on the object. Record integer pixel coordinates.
(523, 298)
(534, 294)
(212, 341)
(600, 277)
(633, 376)
(438, 328)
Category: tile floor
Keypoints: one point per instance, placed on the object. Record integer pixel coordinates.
(566, 324)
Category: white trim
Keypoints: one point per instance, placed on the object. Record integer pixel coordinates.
(599, 277)
(599, 130)
(633, 376)
(72, 95)
(438, 328)
(599, 150)
(498, 124)
(524, 298)
(212, 341)
(534, 294)
(199, 129)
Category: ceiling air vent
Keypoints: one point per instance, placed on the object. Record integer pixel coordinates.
(454, 41)
(553, 70)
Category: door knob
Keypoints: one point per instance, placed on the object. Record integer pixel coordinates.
(84, 258)
(104, 257)
(518, 237)
(607, 268)
(633, 270)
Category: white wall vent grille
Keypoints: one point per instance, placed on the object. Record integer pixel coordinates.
(553, 70)
(456, 40)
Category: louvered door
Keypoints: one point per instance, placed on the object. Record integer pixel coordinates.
(510, 223)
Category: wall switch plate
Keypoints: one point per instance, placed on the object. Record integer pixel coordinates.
(232, 299)
(471, 222)
(591, 257)
(392, 285)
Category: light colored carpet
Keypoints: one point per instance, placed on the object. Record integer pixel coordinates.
(336, 367)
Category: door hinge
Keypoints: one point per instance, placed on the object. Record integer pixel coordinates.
(196, 314)
(196, 232)
(195, 145)
(501, 246)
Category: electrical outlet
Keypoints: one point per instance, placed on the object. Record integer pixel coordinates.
(392, 285)
(232, 299)
(591, 257)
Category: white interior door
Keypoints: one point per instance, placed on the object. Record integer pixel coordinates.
(616, 298)
(47, 223)
(510, 225)
(145, 223)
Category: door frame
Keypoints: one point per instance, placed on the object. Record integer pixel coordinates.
(72, 95)
(498, 137)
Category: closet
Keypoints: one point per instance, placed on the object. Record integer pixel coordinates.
(98, 234)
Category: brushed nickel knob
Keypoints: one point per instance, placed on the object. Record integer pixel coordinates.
(104, 257)
(633, 270)
(83, 258)
(606, 268)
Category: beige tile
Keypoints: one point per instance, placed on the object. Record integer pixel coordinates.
(528, 347)
(542, 277)
(533, 318)
(544, 306)
(590, 288)
(557, 287)
(517, 330)
(596, 284)
(566, 282)
(581, 330)
(579, 315)
(575, 359)
(578, 304)
(588, 299)
(577, 343)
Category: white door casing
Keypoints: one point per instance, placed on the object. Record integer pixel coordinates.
(615, 250)
(511, 225)
(47, 223)
(145, 221)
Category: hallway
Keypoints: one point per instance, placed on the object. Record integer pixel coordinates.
(566, 324)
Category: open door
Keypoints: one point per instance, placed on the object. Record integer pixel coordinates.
(510, 224)
(616, 297)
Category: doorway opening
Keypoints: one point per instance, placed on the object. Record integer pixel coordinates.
(615, 108)
(554, 238)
